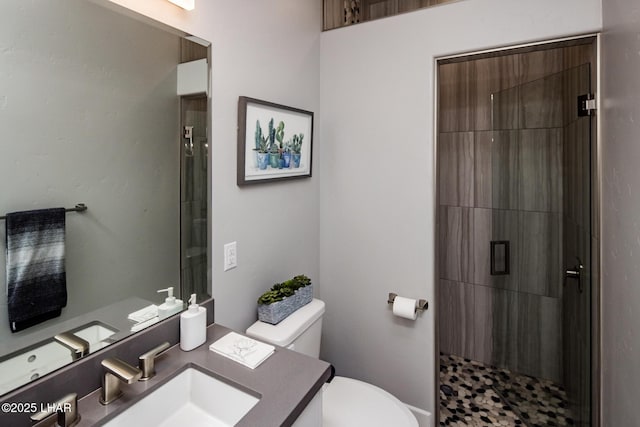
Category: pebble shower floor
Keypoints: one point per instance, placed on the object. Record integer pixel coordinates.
(474, 394)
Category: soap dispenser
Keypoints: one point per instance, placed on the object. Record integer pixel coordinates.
(170, 306)
(193, 326)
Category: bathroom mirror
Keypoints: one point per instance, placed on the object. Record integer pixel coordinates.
(90, 114)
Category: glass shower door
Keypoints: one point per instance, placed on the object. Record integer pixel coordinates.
(540, 231)
(194, 196)
(577, 256)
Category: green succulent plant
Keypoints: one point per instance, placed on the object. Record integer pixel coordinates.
(258, 135)
(280, 133)
(262, 142)
(296, 143)
(272, 132)
(270, 297)
(280, 291)
(302, 280)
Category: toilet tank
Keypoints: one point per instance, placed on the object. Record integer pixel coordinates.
(300, 331)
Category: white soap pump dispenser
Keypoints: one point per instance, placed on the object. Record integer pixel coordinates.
(193, 326)
(170, 306)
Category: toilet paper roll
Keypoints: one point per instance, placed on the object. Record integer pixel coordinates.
(405, 307)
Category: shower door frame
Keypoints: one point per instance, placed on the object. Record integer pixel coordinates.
(596, 207)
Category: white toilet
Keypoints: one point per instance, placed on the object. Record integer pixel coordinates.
(345, 402)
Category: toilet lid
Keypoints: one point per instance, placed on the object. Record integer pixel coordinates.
(347, 402)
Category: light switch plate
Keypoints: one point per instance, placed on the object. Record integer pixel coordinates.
(230, 256)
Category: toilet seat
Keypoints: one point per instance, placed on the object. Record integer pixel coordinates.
(347, 402)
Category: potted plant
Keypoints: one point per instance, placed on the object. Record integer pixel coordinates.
(274, 156)
(284, 298)
(296, 149)
(286, 155)
(262, 145)
(276, 161)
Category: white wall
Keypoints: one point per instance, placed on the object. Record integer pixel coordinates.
(620, 207)
(377, 188)
(83, 123)
(265, 50)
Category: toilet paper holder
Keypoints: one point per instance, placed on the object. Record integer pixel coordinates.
(421, 304)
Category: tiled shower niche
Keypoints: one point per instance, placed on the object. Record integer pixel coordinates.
(511, 169)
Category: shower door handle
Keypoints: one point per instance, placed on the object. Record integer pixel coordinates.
(575, 273)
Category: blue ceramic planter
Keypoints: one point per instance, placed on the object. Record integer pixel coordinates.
(274, 160)
(296, 160)
(287, 160)
(263, 160)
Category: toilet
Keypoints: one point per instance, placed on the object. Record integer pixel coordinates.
(345, 402)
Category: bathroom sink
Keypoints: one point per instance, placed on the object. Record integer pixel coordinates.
(47, 356)
(29, 364)
(96, 334)
(191, 398)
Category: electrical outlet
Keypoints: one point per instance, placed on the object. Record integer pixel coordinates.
(230, 256)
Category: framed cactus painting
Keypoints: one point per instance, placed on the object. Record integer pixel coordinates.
(274, 142)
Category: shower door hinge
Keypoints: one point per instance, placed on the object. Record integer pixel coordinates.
(586, 105)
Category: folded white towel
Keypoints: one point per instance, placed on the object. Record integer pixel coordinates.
(140, 326)
(149, 312)
(244, 350)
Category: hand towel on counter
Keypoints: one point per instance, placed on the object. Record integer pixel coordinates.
(36, 278)
(244, 350)
(144, 314)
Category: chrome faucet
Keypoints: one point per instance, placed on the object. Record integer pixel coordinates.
(146, 361)
(116, 371)
(79, 347)
(66, 408)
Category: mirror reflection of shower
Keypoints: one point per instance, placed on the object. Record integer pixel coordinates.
(188, 146)
(194, 153)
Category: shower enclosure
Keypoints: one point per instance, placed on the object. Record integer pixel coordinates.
(194, 193)
(515, 161)
(194, 189)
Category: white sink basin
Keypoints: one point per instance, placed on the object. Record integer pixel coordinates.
(193, 399)
(47, 356)
(95, 334)
(32, 364)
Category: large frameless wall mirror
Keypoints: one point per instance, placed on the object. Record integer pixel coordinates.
(91, 113)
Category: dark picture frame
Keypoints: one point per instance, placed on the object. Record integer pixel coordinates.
(275, 142)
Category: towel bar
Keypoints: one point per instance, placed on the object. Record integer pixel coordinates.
(80, 207)
(422, 304)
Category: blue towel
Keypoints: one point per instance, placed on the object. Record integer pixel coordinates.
(36, 278)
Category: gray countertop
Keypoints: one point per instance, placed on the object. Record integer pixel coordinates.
(286, 382)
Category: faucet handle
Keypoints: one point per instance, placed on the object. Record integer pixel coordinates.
(115, 372)
(78, 346)
(121, 370)
(146, 361)
(67, 409)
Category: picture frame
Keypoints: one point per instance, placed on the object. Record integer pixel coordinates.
(275, 142)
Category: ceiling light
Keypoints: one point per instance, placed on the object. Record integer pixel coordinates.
(185, 4)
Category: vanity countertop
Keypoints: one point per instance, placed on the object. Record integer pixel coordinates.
(286, 383)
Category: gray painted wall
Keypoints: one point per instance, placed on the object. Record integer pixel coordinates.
(271, 51)
(620, 111)
(376, 197)
(89, 113)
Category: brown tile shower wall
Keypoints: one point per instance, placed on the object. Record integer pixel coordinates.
(500, 178)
